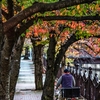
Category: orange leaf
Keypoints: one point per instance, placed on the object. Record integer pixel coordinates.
(35, 34)
(78, 7)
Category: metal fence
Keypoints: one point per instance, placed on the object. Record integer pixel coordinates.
(87, 81)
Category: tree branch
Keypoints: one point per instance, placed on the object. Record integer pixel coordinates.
(10, 8)
(71, 18)
(5, 14)
(40, 7)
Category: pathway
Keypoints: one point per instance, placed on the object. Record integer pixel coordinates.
(25, 88)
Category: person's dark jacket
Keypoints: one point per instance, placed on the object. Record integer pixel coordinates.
(66, 80)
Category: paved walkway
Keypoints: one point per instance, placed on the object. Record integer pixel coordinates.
(25, 88)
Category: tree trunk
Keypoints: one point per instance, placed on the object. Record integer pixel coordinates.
(62, 51)
(2, 92)
(37, 59)
(5, 57)
(53, 64)
(38, 66)
(7, 46)
(48, 90)
(15, 65)
(5, 67)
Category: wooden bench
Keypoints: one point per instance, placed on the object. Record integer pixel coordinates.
(71, 92)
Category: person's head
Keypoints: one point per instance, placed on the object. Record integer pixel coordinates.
(66, 70)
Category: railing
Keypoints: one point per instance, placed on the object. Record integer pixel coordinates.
(89, 84)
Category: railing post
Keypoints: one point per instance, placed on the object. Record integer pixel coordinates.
(95, 85)
(89, 82)
(85, 85)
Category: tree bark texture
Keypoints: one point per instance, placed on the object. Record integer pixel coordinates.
(38, 64)
(15, 65)
(53, 63)
(38, 53)
(48, 90)
(62, 51)
(7, 46)
(5, 67)
(1, 41)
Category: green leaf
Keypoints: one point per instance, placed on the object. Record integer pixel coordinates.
(40, 21)
(27, 30)
(23, 34)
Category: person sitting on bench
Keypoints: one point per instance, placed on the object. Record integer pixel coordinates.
(65, 81)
